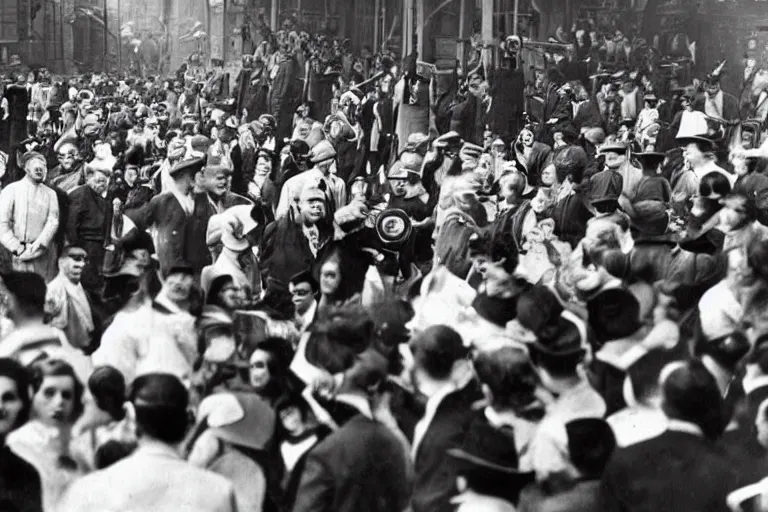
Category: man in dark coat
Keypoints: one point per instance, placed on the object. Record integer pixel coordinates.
(440, 374)
(87, 220)
(681, 469)
(363, 465)
(180, 219)
(283, 96)
(717, 103)
(470, 117)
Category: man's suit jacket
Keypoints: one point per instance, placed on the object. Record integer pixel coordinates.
(360, 467)
(178, 236)
(87, 215)
(436, 471)
(675, 471)
(151, 480)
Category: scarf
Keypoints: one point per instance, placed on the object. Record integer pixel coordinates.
(78, 301)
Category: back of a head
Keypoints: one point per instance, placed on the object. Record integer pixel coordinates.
(436, 350)
(591, 443)
(28, 290)
(161, 402)
(107, 385)
(509, 375)
(644, 374)
(690, 393)
(570, 161)
(538, 307)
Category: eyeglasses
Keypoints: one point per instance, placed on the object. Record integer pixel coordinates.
(258, 365)
(301, 293)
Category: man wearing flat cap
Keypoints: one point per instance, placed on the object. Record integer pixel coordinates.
(29, 218)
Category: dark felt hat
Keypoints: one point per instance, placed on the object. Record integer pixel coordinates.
(605, 186)
(305, 277)
(649, 218)
(181, 267)
(486, 447)
(192, 166)
(650, 159)
(613, 314)
(559, 337)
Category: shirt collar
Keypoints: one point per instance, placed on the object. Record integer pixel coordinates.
(685, 427)
(356, 401)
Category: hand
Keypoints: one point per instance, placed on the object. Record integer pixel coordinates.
(30, 253)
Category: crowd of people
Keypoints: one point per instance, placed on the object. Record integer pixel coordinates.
(349, 284)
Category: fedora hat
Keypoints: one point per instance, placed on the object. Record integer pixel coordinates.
(650, 159)
(613, 146)
(486, 447)
(192, 165)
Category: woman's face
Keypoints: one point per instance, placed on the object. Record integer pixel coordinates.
(98, 182)
(259, 370)
(290, 417)
(54, 402)
(229, 296)
(10, 405)
(548, 176)
(178, 286)
(263, 166)
(330, 277)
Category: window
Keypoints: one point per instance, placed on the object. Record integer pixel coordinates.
(9, 12)
(504, 15)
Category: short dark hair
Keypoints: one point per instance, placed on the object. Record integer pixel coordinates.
(28, 290)
(161, 402)
(436, 349)
(43, 368)
(12, 369)
(691, 394)
(509, 375)
(107, 385)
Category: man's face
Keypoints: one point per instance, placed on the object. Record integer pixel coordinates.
(36, 170)
(526, 137)
(72, 263)
(712, 89)
(215, 181)
(628, 87)
(178, 286)
(398, 187)
(67, 157)
(301, 296)
(613, 160)
(98, 182)
(263, 166)
(313, 210)
(734, 214)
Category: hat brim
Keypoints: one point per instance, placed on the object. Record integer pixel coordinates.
(474, 460)
(682, 141)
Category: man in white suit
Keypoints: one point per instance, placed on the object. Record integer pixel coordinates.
(154, 478)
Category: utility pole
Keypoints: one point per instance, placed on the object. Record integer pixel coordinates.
(119, 37)
(106, 37)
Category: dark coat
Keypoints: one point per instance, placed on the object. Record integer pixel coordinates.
(650, 258)
(284, 95)
(179, 237)
(675, 471)
(284, 251)
(468, 119)
(587, 116)
(506, 116)
(87, 214)
(582, 497)
(436, 471)
(361, 466)
(20, 488)
(571, 215)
